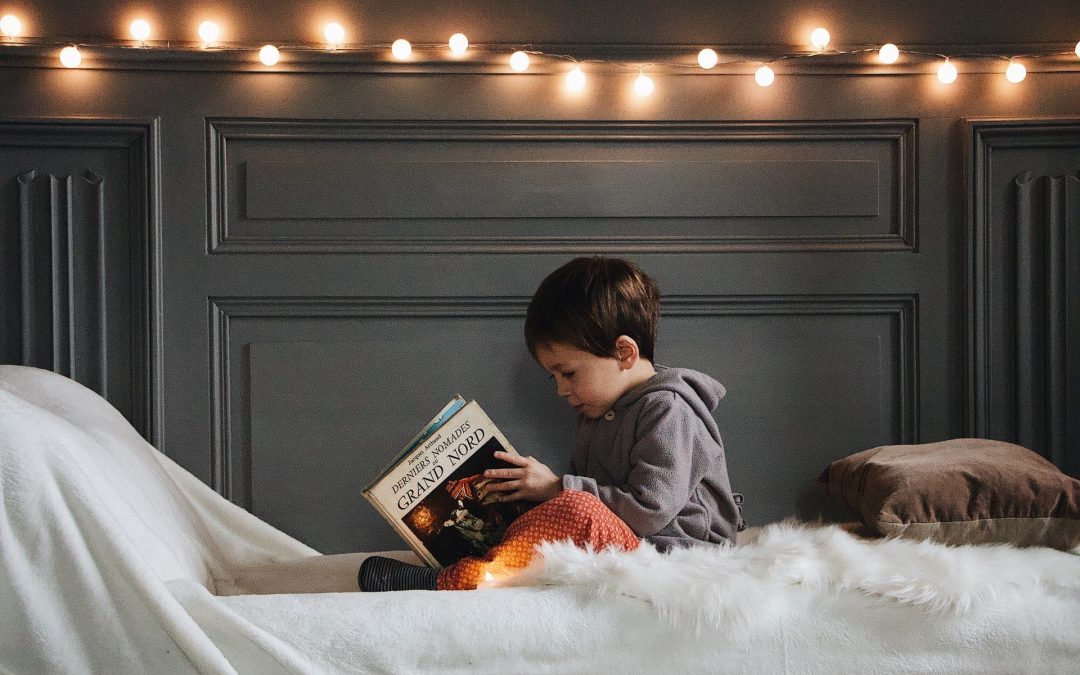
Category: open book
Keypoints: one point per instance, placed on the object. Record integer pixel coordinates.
(434, 492)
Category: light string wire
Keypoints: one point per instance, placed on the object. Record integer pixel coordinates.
(491, 54)
(356, 48)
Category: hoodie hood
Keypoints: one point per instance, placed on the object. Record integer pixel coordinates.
(700, 391)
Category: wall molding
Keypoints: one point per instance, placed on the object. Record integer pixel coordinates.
(224, 237)
(61, 242)
(1047, 351)
(222, 310)
(82, 197)
(1023, 291)
(984, 137)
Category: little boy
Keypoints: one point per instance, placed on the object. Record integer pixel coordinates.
(647, 462)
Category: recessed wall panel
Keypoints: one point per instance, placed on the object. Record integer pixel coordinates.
(359, 189)
(281, 186)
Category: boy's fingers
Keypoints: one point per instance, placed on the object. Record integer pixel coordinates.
(505, 485)
(504, 473)
(513, 459)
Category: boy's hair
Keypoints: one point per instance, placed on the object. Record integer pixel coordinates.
(589, 302)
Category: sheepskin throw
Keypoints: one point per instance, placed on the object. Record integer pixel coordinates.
(744, 587)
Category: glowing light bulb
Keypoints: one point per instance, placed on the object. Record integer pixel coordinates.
(269, 55)
(334, 34)
(458, 43)
(1016, 72)
(946, 73)
(519, 62)
(70, 57)
(140, 29)
(575, 79)
(209, 33)
(401, 49)
(889, 53)
(707, 58)
(643, 85)
(764, 76)
(820, 38)
(10, 26)
(1078, 49)
(488, 576)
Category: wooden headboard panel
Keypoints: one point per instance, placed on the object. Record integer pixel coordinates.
(277, 278)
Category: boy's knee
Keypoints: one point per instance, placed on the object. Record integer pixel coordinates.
(596, 524)
(575, 500)
(574, 506)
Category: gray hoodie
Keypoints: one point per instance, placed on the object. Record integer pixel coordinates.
(657, 461)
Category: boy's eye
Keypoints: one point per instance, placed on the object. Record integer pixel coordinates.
(568, 374)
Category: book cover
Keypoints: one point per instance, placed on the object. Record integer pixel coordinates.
(434, 494)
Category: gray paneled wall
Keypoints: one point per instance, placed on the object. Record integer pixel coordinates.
(495, 188)
(278, 276)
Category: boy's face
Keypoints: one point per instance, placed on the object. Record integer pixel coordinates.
(590, 384)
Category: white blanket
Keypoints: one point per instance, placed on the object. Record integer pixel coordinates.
(113, 559)
(94, 522)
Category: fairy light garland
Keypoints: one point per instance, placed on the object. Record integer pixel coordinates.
(520, 60)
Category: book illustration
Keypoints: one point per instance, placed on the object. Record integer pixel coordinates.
(434, 492)
(463, 518)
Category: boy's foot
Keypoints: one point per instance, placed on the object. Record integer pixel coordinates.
(378, 574)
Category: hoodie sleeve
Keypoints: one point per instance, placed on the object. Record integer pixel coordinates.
(664, 467)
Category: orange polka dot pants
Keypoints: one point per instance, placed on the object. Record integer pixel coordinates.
(578, 516)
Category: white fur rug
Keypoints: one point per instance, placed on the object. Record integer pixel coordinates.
(740, 586)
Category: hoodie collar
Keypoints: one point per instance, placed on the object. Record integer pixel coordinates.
(698, 388)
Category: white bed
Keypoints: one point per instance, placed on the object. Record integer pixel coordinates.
(115, 559)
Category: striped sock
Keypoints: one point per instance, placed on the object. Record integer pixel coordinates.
(378, 574)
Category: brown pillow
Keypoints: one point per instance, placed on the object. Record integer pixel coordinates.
(963, 491)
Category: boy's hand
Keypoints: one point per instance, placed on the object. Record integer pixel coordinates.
(531, 479)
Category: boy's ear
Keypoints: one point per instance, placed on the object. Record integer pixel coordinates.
(626, 351)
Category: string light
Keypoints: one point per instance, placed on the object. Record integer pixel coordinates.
(401, 49)
(1016, 72)
(70, 57)
(889, 53)
(519, 62)
(643, 85)
(946, 73)
(707, 58)
(764, 75)
(458, 44)
(269, 55)
(140, 29)
(575, 79)
(209, 33)
(334, 33)
(10, 26)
